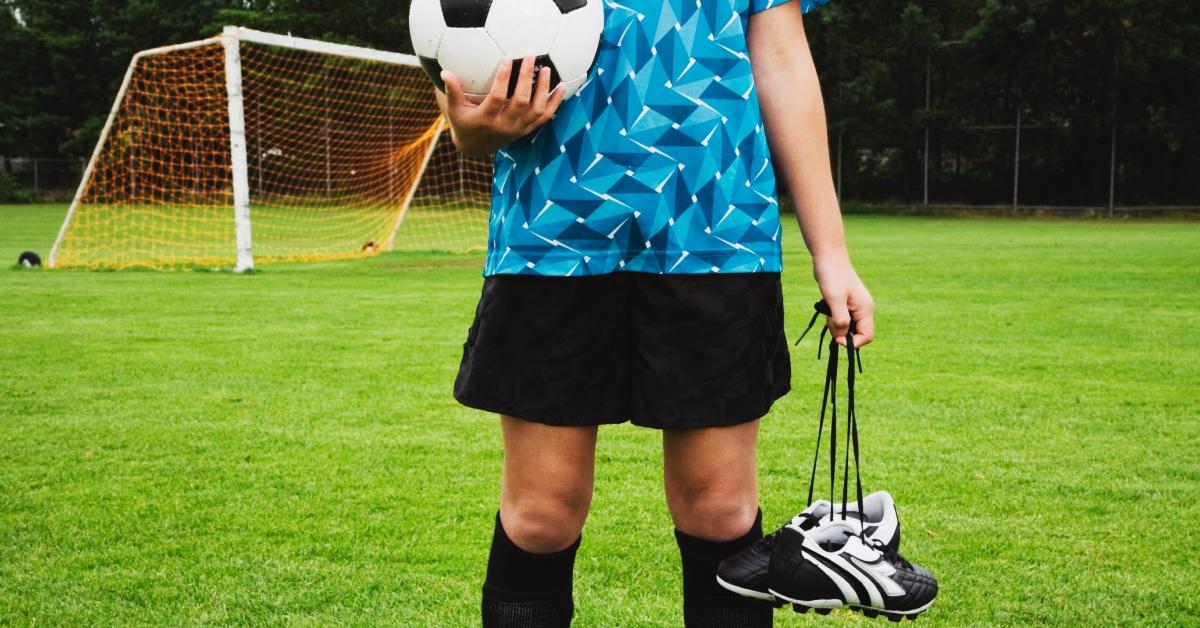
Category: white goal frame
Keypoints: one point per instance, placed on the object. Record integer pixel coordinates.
(231, 39)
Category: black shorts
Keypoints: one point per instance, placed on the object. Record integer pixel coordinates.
(663, 351)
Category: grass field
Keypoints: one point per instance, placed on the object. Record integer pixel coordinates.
(202, 236)
(282, 448)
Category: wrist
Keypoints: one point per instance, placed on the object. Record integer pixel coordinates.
(474, 146)
(466, 141)
(831, 255)
(471, 140)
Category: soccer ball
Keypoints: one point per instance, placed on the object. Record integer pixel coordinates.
(470, 37)
(29, 259)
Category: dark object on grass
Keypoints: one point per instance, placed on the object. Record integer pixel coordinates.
(29, 259)
(370, 247)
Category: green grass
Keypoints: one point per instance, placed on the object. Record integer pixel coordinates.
(203, 236)
(28, 228)
(282, 448)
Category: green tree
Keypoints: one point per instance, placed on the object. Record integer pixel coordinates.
(872, 57)
(75, 54)
(379, 24)
(1074, 68)
(17, 103)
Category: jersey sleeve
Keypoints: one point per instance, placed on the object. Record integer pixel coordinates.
(805, 5)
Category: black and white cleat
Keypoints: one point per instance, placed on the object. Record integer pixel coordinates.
(831, 566)
(745, 573)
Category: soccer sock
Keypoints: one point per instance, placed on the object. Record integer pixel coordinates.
(527, 590)
(707, 604)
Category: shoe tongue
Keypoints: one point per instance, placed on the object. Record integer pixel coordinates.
(821, 513)
(852, 515)
(835, 532)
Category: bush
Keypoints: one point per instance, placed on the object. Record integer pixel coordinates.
(11, 191)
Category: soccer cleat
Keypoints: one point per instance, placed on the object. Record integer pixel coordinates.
(881, 523)
(831, 566)
(745, 573)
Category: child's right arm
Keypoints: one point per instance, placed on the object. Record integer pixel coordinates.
(794, 112)
(480, 128)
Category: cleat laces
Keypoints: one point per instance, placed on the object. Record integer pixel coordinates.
(829, 406)
(890, 555)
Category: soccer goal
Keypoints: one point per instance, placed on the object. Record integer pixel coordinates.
(251, 148)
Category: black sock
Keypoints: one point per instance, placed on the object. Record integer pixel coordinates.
(527, 590)
(707, 604)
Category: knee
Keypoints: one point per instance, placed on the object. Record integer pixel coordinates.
(714, 512)
(544, 524)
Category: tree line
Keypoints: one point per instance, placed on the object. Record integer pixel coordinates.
(1082, 76)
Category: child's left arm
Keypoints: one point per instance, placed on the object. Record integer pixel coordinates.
(792, 108)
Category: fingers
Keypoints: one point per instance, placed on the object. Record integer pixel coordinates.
(499, 119)
(556, 98)
(498, 95)
(541, 93)
(839, 319)
(546, 100)
(524, 92)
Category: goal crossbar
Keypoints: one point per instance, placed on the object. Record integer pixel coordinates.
(231, 39)
(322, 47)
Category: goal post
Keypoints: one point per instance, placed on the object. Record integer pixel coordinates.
(250, 148)
(230, 41)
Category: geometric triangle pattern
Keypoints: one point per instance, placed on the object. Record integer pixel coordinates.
(659, 164)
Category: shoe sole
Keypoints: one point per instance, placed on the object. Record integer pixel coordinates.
(750, 593)
(824, 607)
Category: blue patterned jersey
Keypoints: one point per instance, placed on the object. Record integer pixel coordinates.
(659, 164)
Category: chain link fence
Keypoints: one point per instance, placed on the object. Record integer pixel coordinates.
(1024, 165)
(1031, 166)
(1015, 156)
(31, 179)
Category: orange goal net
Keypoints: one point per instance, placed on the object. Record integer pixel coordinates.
(253, 148)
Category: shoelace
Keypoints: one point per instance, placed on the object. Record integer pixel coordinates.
(829, 401)
(890, 555)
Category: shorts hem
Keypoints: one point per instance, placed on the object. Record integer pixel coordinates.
(515, 413)
(739, 419)
(512, 411)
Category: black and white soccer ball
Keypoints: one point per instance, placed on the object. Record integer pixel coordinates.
(29, 259)
(470, 37)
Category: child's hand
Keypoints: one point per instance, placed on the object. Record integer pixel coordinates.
(848, 300)
(481, 128)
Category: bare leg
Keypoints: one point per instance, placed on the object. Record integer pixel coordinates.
(547, 485)
(711, 478)
(544, 499)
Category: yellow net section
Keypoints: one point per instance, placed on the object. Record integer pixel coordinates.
(452, 203)
(160, 189)
(345, 158)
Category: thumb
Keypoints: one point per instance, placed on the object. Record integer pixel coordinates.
(456, 98)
